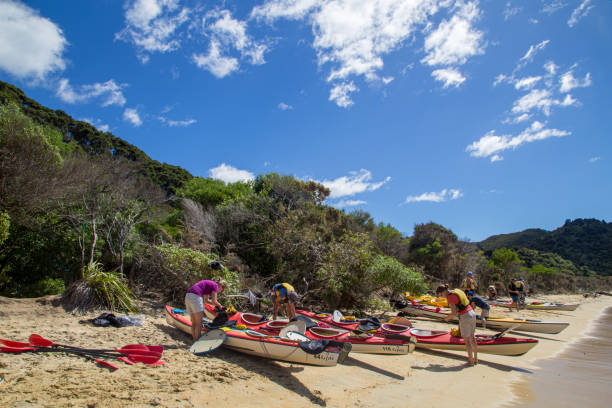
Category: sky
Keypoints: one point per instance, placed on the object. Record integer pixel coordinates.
(486, 117)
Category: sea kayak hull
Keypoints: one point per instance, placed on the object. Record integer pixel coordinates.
(568, 307)
(525, 325)
(262, 345)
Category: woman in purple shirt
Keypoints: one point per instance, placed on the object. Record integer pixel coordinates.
(205, 291)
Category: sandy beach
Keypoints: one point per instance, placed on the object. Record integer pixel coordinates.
(229, 378)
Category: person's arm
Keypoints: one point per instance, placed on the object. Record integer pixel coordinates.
(453, 309)
(213, 295)
(276, 305)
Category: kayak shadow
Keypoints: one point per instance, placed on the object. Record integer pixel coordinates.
(438, 367)
(353, 362)
(270, 369)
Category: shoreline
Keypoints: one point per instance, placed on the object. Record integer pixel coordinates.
(226, 377)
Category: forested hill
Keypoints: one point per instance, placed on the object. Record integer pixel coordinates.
(585, 242)
(93, 141)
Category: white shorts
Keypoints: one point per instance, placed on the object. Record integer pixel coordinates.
(194, 303)
(467, 324)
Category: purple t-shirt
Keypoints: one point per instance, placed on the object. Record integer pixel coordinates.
(204, 287)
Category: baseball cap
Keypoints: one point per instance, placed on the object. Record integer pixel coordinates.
(469, 293)
(469, 272)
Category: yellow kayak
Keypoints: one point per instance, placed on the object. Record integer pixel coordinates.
(428, 300)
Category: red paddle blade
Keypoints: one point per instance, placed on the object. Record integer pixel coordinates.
(143, 359)
(157, 349)
(37, 340)
(157, 363)
(106, 364)
(14, 343)
(126, 360)
(140, 353)
(16, 349)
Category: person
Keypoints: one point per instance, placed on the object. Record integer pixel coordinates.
(205, 291)
(492, 292)
(284, 295)
(522, 290)
(482, 304)
(460, 304)
(514, 293)
(469, 283)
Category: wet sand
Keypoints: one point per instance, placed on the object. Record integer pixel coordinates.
(229, 378)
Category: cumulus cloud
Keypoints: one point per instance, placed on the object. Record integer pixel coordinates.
(227, 34)
(354, 183)
(436, 197)
(491, 144)
(340, 94)
(151, 25)
(131, 115)
(527, 83)
(230, 174)
(31, 46)
(284, 106)
(109, 92)
(351, 37)
(580, 12)
(568, 82)
(449, 77)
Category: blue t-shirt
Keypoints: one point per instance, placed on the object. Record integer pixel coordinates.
(480, 302)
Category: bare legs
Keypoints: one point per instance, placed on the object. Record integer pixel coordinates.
(470, 345)
(196, 325)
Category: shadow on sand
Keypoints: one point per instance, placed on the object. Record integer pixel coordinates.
(439, 368)
(353, 362)
(270, 369)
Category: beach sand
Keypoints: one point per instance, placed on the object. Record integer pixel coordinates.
(233, 379)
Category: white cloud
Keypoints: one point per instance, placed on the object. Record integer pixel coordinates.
(510, 11)
(553, 7)
(387, 80)
(518, 119)
(108, 92)
(449, 76)
(348, 203)
(531, 53)
(151, 25)
(97, 123)
(340, 94)
(218, 65)
(284, 106)
(177, 123)
(132, 116)
(444, 195)
(492, 144)
(580, 12)
(455, 40)
(527, 83)
(594, 159)
(289, 9)
(31, 46)
(568, 82)
(356, 182)
(501, 78)
(541, 99)
(230, 174)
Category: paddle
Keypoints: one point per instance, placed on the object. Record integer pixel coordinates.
(132, 349)
(506, 331)
(17, 350)
(209, 341)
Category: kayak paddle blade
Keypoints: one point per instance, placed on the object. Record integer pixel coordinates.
(209, 341)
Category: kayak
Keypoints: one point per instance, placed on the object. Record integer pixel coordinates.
(260, 344)
(526, 325)
(353, 324)
(428, 300)
(443, 340)
(538, 305)
(362, 343)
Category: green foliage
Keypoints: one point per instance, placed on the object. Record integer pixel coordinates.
(504, 258)
(44, 287)
(109, 287)
(388, 272)
(532, 257)
(210, 192)
(5, 224)
(289, 192)
(543, 270)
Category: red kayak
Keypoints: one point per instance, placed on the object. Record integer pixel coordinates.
(385, 329)
(361, 343)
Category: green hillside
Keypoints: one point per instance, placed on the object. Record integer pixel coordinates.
(587, 243)
(93, 141)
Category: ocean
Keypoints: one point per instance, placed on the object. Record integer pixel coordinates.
(579, 376)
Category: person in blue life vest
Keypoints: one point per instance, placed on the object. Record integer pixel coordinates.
(283, 294)
(460, 305)
(477, 301)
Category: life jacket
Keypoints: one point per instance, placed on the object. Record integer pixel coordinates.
(282, 289)
(471, 286)
(464, 303)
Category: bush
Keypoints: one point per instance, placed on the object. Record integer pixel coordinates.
(388, 272)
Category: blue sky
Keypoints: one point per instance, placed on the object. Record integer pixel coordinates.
(485, 116)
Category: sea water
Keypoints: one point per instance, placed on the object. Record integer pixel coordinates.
(580, 376)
